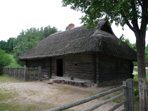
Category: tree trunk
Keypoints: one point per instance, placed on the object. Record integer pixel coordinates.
(140, 44)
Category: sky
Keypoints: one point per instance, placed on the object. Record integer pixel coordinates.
(18, 15)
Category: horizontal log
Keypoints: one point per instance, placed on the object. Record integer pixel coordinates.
(117, 106)
(63, 107)
(104, 102)
(123, 109)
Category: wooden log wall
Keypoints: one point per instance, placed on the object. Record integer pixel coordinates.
(76, 67)
(114, 69)
(94, 68)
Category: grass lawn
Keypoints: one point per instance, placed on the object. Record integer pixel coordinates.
(6, 79)
(6, 95)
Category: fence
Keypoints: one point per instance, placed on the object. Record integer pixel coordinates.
(128, 101)
(24, 73)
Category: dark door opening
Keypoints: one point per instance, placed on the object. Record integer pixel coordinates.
(60, 67)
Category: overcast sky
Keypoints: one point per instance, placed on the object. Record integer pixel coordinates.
(18, 15)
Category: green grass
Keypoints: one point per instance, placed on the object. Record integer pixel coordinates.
(118, 100)
(63, 89)
(5, 78)
(17, 107)
(31, 92)
(10, 99)
(7, 94)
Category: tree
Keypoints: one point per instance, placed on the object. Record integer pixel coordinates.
(30, 38)
(11, 43)
(8, 46)
(133, 46)
(3, 45)
(133, 13)
(5, 60)
(146, 55)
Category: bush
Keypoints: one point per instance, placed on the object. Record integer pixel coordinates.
(136, 93)
(14, 63)
(5, 60)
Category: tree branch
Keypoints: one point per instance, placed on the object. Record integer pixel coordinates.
(135, 17)
(126, 21)
(140, 3)
(129, 25)
(144, 20)
(125, 18)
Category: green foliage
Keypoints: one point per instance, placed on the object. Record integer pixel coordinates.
(113, 10)
(135, 63)
(9, 45)
(25, 41)
(136, 77)
(5, 60)
(121, 39)
(133, 46)
(13, 63)
(30, 38)
(146, 55)
(136, 93)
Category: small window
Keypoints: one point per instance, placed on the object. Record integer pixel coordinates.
(76, 64)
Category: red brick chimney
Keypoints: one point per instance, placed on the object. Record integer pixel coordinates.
(70, 26)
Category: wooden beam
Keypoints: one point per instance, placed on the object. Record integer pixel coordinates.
(104, 102)
(63, 107)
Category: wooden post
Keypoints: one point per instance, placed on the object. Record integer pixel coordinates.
(39, 73)
(9, 72)
(97, 71)
(50, 61)
(125, 93)
(95, 67)
(129, 95)
(143, 94)
(147, 96)
(25, 70)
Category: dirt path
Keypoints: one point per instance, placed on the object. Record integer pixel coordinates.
(45, 96)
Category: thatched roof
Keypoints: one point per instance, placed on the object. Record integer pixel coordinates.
(100, 40)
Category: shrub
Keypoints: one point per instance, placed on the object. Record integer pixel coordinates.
(136, 93)
(5, 60)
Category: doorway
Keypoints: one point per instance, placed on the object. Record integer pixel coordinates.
(60, 67)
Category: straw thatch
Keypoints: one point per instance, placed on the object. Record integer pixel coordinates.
(100, 40)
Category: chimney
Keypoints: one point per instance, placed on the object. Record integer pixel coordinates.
(70, 26)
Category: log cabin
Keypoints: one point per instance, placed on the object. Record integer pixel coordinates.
(93, 55)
